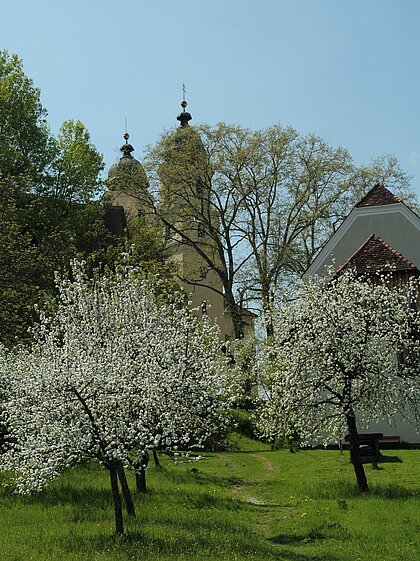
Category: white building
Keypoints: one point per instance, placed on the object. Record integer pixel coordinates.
(381, 234)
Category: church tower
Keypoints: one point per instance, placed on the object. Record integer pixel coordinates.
(192, 224)
(128, 193)
(185, 216)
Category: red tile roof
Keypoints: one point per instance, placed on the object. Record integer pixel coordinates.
(378, 195)
(376, 256)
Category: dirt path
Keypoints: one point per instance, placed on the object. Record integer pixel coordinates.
(241, 489)
(268, 465)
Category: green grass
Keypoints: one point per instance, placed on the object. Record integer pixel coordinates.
(254, 504)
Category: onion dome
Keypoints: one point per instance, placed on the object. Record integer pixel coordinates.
(127, 175)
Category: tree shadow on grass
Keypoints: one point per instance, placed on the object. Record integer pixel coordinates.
(200, 500)
(195, 475)
(393, 491)
(389, 460)
(53, 496)
(136, 544)
(324, 531)
(88, 498)
(347, 490)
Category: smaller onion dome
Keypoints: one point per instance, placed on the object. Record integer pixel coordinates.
(184, 116)
(127, 174)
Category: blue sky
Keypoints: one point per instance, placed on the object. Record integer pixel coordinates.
(345, 70)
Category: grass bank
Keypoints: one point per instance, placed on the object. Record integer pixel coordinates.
(249, 505)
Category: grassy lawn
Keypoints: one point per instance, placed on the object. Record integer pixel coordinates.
(250, 505)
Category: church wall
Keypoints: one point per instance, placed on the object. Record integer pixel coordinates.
(404, 428)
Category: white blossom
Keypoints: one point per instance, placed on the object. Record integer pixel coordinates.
(112, 372)
(343, 346)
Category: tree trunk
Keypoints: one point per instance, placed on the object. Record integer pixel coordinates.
(235, 314)
(141, 480)
(156, 459)
(141, 473)
(128, 501)
(355, 453)
(119, 528)
(266, 305)
(269, 328)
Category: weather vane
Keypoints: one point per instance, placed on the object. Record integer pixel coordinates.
(184, 91)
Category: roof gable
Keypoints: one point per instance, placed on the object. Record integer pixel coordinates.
(380, 212)
(377, 256)
(378, 195)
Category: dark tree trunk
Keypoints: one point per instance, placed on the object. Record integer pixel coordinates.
(355, 457)
(266, 304)
(156, 459)
(269, 329)
(141, 480)
(128, 501)
(119, 528)
(141, 473)
(235, 314)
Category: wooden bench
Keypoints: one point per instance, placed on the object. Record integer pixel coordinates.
(369, 446)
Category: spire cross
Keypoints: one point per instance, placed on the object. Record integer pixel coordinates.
(183, 91)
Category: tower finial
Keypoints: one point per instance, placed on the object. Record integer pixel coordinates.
(126, 148)
(184, 117)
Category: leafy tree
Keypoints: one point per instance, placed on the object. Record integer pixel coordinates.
(63, 231)
(114, 373)
(341, 352)
(41, 235)
(256, 206)
(76, 166)
(25, 147)
(22, 269)
(46, 215)
(37, 242)
(292, 187)
(67, 167)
